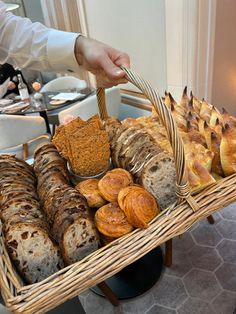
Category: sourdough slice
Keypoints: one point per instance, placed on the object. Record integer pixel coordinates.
(16, 161)
(119, 143)
(79, 239)
(33, 252)
(159, 177)
(45, 160)
(111, 125)
(43, 147)
(126, 146)
(132, 152)
(16, 206)
(67, 207)
(142, 158)
(4, 198)
(24, 216)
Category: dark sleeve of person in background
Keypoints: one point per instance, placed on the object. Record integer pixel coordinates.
(7, 71)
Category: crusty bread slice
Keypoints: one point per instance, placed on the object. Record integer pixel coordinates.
(158, 177)
(79, 239)
(33, 252)
(16, 206)
(118, 146)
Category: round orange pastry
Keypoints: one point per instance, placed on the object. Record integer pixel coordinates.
(89, 189)
(139, 206)
(111, 221)
(110, 185)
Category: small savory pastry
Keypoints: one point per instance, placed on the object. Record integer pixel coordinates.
(139, 206)
(111, 221)
(89, 189)
(113, 181)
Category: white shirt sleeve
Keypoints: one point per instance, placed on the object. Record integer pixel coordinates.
(26, 44)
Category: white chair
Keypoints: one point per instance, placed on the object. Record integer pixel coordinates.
(63, 83)
(20, 135)
(88, 107)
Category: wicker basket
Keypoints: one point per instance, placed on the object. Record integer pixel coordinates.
(107, 261)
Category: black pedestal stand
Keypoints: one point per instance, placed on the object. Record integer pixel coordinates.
(136, 278)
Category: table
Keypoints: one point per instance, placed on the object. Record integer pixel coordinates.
(43, 105)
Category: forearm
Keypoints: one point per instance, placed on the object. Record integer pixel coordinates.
(26, 44)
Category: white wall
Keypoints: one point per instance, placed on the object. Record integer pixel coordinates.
(136, 27)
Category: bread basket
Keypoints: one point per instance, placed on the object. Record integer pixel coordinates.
(107, 261)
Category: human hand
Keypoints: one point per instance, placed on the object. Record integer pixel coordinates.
(11, 85)
(101, 60)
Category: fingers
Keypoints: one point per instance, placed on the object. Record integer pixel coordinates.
(112, 71)
(123, 60)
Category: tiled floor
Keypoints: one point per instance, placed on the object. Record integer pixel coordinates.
(202, 279)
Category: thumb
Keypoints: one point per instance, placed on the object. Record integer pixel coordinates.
(111, 70)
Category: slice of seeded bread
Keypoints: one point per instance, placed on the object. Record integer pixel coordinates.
(159, 177)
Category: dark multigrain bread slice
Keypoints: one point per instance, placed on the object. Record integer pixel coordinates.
(79, 238)
(159, 177)
(32, 251)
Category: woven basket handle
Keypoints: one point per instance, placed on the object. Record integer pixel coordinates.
(182, 188)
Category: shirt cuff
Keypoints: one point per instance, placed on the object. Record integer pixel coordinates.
(60, 51)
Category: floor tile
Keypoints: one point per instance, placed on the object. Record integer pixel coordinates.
(201, 284)
(225, 303)
(157, 309)
(227, 229)
(206, 234)
(229, 212)
(169, 292)
(227, 250)
(95, 304)
(181, 264)
(195, 306)
(204, 258)
(183, 243)
(226, 274)
(138, 305)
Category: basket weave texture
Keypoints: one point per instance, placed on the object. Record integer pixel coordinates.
(107, 261)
